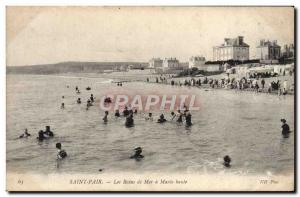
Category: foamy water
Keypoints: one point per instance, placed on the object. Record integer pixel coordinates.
(244, 125)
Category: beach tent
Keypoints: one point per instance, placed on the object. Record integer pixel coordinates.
(280, 68)
(260, 70)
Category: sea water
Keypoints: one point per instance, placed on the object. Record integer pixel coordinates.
(244, 125)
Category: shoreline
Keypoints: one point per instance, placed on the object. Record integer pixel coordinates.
(208, 88)
(127, 78)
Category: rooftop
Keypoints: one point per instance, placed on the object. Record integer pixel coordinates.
(171, 59)
(197, 58)
(155, 59)
(264, 43)
(236, 42)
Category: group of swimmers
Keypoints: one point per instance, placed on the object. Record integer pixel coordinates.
(128, 114)
(89, 103)
(44, 135)
(179, 117)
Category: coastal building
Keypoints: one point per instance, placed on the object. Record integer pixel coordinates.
(213, 67)
(171, 63)
(170, 66)
(196, 61)
(155, 63)
(184, 65)
(288, 51)
(231, 49)
(267, 50)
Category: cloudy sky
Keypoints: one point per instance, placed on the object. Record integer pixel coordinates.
(42, 35)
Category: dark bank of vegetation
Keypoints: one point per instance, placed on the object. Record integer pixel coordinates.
(233, 62)
(195, 71)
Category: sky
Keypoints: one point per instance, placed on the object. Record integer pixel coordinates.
(45, 35)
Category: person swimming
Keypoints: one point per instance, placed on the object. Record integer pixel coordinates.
(161, 119)
(149, 117)
(130, 111)
(92, 98)
(285, 128)
(62, 106)
(25, 134)
(173, 115)
(179, 116)
(129, 121)
(137, 154)
(105, 117)
(126, 111)
(48, 132)
(41, 136)
(78, 101)
(107, 100)
(117, 113)
(188, 119)
(61, 153)
(185, 108)
(89, 103)
(227, 161)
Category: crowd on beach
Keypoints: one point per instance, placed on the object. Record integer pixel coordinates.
(255, 82)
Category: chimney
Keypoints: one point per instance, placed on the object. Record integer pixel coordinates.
(226, 41)
(240, 40)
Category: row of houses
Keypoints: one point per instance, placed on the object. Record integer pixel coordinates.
(194, 61)
(166, 63)
(268, 52)
(236, 49)
(172, 65)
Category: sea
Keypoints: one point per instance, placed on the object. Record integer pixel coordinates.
(244, 125)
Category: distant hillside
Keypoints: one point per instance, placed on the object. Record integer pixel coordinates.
(71, 67)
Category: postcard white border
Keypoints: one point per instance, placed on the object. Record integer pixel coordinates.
(5, 3)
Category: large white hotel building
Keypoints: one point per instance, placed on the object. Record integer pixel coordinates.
(231, 49)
